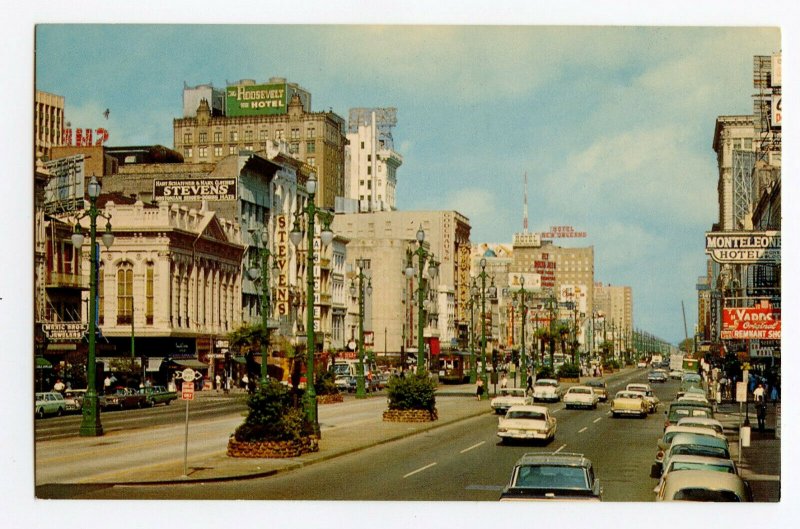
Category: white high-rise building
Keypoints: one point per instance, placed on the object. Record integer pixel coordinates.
(370, 160)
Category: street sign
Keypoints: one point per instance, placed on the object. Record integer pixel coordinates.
(187, 391)
(741, 392)
(187, 375)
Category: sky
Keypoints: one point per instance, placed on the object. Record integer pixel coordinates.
(609, 107)
(613, 125)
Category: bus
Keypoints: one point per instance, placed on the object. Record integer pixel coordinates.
(691, 365)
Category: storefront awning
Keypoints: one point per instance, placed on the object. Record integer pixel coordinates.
(43, 363)
(194, 364)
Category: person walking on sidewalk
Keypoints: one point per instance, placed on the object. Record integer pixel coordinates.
(479, 390)
(529, 387)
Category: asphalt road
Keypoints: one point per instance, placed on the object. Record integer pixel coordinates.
(462, 461)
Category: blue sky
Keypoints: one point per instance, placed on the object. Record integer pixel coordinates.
(613, 125)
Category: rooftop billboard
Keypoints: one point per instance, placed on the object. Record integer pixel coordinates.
(255, 100)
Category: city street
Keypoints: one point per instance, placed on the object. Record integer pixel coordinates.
(460, 461)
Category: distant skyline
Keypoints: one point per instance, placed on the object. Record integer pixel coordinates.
(613, 125)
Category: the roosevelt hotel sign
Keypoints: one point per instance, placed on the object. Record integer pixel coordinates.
(744, 247)
(194, 189)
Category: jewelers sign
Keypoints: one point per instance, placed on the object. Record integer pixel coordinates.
(754, 323)
(743, 247)
(194, 189)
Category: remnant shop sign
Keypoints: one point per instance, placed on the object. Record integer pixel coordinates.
(744, 247)
(190, 190)
(751, 324)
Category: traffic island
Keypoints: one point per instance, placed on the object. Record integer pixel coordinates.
(272, 449)
(410, 415)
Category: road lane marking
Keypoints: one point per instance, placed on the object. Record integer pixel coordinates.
(598, 419)
(583, 429)
(473, 446)
(562, 447)
(419, 470)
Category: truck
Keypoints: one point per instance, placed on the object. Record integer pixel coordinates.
(676, 362)
(346, 371)
(655, 360)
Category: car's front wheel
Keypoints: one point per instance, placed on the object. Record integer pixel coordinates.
(40, 413)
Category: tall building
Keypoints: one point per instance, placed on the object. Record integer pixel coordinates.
(371, 162)
(614, 307)
(256, 115)
(48, 122)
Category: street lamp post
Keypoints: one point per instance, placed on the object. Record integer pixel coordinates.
(360, 264)
(473, 368)
(90, 422)
(259, 271)
(520, 301)
(492, 292)
(296, 236)
(433, 268)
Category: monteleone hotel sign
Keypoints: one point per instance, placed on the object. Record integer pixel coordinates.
(744, 247)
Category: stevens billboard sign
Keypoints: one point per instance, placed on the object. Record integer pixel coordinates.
(194, 189)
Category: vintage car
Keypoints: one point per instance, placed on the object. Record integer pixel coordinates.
(687, 408)
(688, 462)
(546, 389)
(649, 396)
(696, 445)
(527, 423)
(580, 397)
(48, 403)
(157, 395)
(508, 397)
(702, 422)
(693, 393)
(703, 485)
(657, 375)
(599, 387)
(123, 398)
(641, 364)
(561, 476)
(629, 403)
(74, 399)
(665, 441)
(676, 374)
(691, 380)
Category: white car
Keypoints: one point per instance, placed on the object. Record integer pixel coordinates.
(680, 463)
(510, 397)
(649, 396)
(580, 397)
(641, 365)
(702, 422)
(546, 389)
(527, 423)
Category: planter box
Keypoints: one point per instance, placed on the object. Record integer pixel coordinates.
(272, 449)
(330, 399)
(410, 415)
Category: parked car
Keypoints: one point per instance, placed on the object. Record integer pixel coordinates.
(510, 397)
(676, 374)
(657, 375)
(696, 445)
(599, 387)
(48, 403)
(527, 423)
(649, 396)
(687, 408)
(688, 462)
(73, 398)
(345, 383)
(629, 403)
(562, 476)
(546, 389)
(157, 395)
(702, 422)
(123, 398)
(703, 485)
(580, 397)
(665, 442)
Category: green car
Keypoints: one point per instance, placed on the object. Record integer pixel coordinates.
(49, 403)
(158, 395)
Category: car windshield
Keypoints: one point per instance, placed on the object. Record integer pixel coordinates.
(580, 390)
(699, 494)
(700, 450)
(544, 476)
(546, 383)
(696, 465)
(717, 428)
(525, 414)
(512, 392)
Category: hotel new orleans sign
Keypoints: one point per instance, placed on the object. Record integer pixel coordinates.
(744, 247)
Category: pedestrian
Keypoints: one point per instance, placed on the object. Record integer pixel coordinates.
(59, 386)
(718, 394)
(529, 382)
(504, 382)
(218, 381)
(479, 391)
(761, 414)
(773, 395)
(107, 385)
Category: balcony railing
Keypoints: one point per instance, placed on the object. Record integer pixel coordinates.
(59, 280)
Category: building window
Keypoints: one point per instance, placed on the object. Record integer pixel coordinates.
(217, 150)
(187, 137)
(202, 137)
(295, 134)
(311, 147)
(369, 184)
(232, 149)
(263, 135)
(125, 294)
(217, 137)
(248, 135)
(369, 169)
(362, 144)
(294, 147)
(149, 294)
(310, 132)
(311, 161)
(187, 153)
(234, 135)
(202, 152)
(248, 147)
(369, 157)
(279, 134)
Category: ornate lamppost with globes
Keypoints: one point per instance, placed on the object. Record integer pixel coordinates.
(520, 302)
(259, 273)
(473, 299)
(311, 211)
(433, 269)
(492, 290)
(361, 276)
(90, 422)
